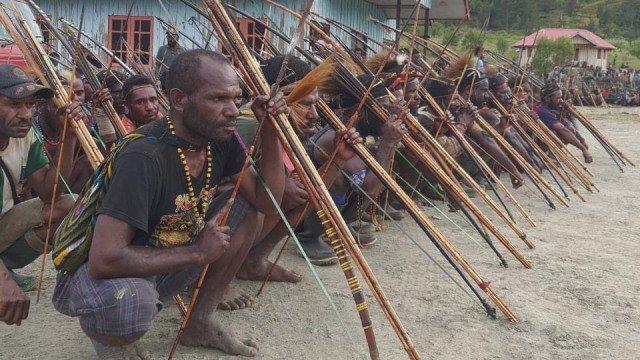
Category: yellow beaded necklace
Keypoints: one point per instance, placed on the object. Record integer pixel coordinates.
(193, 200)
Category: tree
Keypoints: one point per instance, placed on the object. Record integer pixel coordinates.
(472, 39)
(570, 7)
(438, 28)
(502, 45)
(628, 19)
(551, 53)
(634, 48)
(563, 51)
(480, 11)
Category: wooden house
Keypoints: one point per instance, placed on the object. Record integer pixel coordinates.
(589, 48)
(105, 21)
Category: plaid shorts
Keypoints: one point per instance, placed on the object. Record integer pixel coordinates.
(126, 306)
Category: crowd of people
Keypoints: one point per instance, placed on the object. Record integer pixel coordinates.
(596, 87)
(162, 206)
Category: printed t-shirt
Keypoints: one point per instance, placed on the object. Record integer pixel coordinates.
(148, 188)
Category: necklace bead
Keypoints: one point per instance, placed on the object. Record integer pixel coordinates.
(51, 142)
(199, 212)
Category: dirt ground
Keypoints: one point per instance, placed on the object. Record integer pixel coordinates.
(580, 300)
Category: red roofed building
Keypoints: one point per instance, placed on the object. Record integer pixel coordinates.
(588, 48)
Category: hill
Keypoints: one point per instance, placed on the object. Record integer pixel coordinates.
(496, 24)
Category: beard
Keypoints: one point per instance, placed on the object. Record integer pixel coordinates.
(199, 127)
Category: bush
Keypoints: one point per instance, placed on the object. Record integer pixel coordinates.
(502, 45)
(634, 48)
(471, 40)
(551, 53)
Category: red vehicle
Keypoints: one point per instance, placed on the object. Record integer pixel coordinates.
(9, 52)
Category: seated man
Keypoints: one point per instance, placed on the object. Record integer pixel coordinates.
(145, 232)
(49, 129)
(344, 191)
(23, 224)
(551, 97)
(414, 171)
(499, 86)
(304, 119)
(141, 101)
(114, 81)
(475, 87)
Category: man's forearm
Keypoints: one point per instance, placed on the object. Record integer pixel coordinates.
(384, 155)
(332, 171)
(5, 276)
(65, 159)
(518, 146)
(490, 146)
(143, 261)
(567, 136)
(270, 166)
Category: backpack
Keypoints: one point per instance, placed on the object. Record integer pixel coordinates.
(72, 240)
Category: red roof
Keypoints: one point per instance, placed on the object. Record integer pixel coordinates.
(553, 34)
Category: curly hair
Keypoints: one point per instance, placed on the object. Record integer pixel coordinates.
(296, 70)
(133, 81)
(183, 73)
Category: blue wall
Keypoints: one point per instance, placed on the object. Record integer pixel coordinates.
(354, 13)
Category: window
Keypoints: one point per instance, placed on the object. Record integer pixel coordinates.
(47, 40)
(136, 35)
(576, 54)
(599, 53)
(254, 34)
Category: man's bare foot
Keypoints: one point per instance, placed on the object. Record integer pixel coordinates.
(235, 299)
(257, 270)
(587, 157)
(212, 335)
(133, 351)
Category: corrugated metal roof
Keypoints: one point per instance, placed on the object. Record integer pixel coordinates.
(354, 13)
(553, 33)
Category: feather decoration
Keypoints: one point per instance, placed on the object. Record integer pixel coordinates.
(455, 70)
(316, 78)
(381, 59)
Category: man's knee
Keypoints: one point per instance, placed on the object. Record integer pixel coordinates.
(247, 228)
(60, 209)
(20, 219)
(121, 308)
(22, 252)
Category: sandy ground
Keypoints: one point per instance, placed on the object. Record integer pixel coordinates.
(581, 299)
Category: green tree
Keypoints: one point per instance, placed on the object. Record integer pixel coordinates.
(571, 7)
(550, 53)
(592, 25)
(563, 51)
(627, 18)
(480, 11)
(502, 45)
(472, 39)
(437, 28)
(455, 41)
(634, 48)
